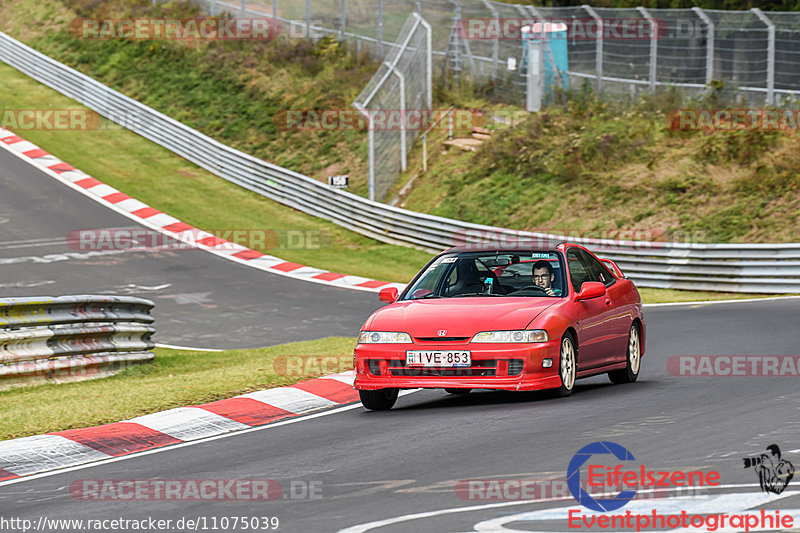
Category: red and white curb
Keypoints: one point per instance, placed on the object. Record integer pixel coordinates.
(31, 455)
(171, 226)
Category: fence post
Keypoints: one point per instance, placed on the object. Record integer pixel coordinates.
(598, 47)
(495, 41)
(274, 9)
(428, 61)
(403, 149)
(770, 54)
(308, 18)
(244, 8)
(534, 78)
(342, 18)
(653, 47)
(710, 31)
(379, 34)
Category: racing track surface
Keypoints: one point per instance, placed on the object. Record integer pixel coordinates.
(201, 299)
(378, 465)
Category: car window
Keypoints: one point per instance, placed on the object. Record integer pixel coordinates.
(597, 271)
(577, 270)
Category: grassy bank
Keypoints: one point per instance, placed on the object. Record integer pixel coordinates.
(173, 379)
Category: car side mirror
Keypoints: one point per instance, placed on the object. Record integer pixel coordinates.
(591, 289)
(389, 294)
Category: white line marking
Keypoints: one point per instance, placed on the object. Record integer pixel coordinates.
(710, 302)
(187, 348)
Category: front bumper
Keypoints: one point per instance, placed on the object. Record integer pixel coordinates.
(494, 366)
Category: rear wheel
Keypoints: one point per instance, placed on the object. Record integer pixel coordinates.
(634, 359)
(378, 400)
(567, 361)
(458, 391)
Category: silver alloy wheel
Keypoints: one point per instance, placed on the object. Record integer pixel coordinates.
(634, 350)
(567, 363)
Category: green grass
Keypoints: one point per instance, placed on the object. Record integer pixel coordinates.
(173, 379)
(165, 181)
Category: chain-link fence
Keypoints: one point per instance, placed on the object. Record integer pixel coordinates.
(756, 53)
(397, 103)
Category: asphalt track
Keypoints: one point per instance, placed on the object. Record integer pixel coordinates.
(378, 465)
(373, 466)
(201, 299)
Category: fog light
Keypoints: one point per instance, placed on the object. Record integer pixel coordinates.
(547, 363)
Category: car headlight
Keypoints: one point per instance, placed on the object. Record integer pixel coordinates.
(533, 335)
(383, 337)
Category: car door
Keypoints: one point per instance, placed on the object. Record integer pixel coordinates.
(616, 317)
(590, 315)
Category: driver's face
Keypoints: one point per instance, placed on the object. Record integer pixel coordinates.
(541, 278)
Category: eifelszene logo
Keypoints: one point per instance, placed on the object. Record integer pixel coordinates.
(774, 473)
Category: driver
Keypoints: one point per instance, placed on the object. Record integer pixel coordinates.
(543, 277)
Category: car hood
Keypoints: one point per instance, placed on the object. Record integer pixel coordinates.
(460, 317)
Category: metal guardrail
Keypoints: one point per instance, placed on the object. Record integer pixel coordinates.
(72, 337)
(762, 268)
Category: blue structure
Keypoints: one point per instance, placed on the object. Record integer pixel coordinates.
(556, 38)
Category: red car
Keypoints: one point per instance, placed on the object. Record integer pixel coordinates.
(491, 317)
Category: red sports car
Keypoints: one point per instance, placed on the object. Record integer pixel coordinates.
(494, 317)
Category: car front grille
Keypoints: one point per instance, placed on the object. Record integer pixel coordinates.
(515, 366)
(479, 368)
(441, 339)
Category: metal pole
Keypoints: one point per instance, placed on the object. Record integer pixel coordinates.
(424, 152)
(653, 47)
(770, 55)
(598, 51)
(534, 78)
(710, 29)
(274, 9)
(244, 8)
(308, 18)
(380, 29)
(429, 61)
(403, 150)
(343, 18)
(496, 41)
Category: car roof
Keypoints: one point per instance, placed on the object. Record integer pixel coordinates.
(540, 245)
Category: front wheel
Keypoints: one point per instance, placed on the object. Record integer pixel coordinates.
(634, 360)
(378, 400)
(567, 361)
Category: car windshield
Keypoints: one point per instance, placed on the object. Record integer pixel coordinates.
(502, 273)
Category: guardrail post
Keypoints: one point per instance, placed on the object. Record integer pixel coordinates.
(598, 46)
(653, 46)
(770, 54)
(534, 79)
(710, 31)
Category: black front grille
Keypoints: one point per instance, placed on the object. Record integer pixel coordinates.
(442, 339)
(515, 366)
(444, 372)
(478, 363)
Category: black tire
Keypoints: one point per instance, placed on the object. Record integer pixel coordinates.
(378, 400)
(458, 391)
(567, 365)
(633, 358)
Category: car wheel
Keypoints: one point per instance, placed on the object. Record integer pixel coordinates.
(378, 400)
(567, 362)
(633, 358)
(458, 391)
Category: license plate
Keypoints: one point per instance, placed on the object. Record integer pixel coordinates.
(444, 358)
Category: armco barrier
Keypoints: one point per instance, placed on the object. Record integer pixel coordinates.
(72, 337)
(763, 268)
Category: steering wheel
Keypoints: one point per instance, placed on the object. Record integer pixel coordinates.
(534, 287)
